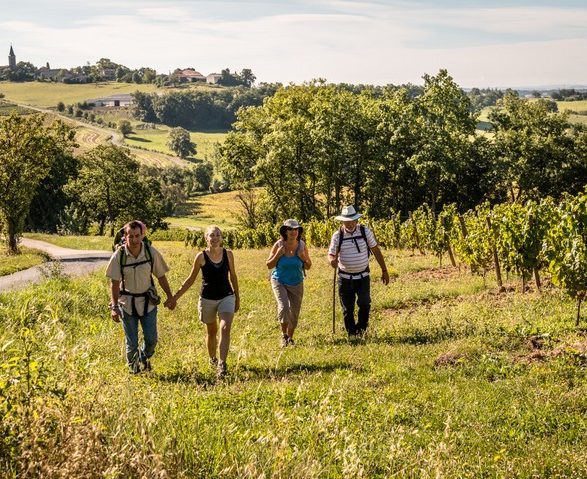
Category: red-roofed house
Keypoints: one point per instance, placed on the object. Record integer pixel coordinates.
(189, 75)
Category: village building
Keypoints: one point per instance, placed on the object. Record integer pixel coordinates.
(213, 78)
(120, 100)
(189, 75)
(11, 61)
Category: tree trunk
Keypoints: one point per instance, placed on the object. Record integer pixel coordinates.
(537, 279)
(523, 283)
(578, 311)
(463, 226)
(101, 226)
(495, 258)
(450, 254)
(12, 244)
(416, 236)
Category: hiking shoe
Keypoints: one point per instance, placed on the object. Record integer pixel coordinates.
(284, 340)
(221, 371)
(134, 367)
(291, 342)
(146, 364)
(213, 362)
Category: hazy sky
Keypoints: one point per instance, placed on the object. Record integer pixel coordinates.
(481, 43)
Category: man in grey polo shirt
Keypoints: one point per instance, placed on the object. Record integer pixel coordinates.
(133, 297)
(349, 252)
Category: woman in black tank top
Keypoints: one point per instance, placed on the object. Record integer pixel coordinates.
(219, 296)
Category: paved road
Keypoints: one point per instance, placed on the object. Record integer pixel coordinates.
(73, 262)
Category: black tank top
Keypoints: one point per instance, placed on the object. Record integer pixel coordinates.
(215, 284)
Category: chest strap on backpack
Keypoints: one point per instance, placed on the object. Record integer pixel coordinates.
(353, 238)
(124, 292)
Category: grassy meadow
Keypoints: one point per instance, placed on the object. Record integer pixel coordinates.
(48, 94)
(201, 211)
(156, 139)
(453, 380)
(27, 259)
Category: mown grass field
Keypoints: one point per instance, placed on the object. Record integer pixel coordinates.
(201, 211)
(156, 139)
(48, 94)
(27, 259)
(453, 380)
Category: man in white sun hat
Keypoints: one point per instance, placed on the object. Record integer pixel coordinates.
(349, 251)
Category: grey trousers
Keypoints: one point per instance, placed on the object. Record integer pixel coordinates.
(289, 302)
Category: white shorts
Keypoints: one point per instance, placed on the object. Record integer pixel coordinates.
(208, 309)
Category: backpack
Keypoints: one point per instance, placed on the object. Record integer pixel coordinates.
(341, 238)
(150, 295)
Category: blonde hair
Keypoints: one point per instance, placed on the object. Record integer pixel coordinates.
(210, 229)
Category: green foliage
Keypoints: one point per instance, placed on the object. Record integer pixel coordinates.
(537, 150)
(110, 190)
(520, 232)
(566, 247)
(474, 242)
(51, 203)
(28, 150)
(180, 142)
(125, 128)
(444, 357)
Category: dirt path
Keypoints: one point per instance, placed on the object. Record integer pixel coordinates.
(70, 262)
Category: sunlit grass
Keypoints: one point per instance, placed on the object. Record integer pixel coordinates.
(74, 242)
(156, 139)
(26, 259)
(48, 94)
(445, 385)
(201, 211)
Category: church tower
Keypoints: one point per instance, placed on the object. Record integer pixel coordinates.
(11, 59)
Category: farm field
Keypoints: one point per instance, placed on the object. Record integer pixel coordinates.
(201, 211)
(453, 380)
(48, 94)
(579, 106)
(156, 139)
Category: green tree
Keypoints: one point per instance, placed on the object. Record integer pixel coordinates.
(110, 190)
(179, 142)
(50, 199)
(28, 149)
(445, 127)
(61, 107)
(537, 150)
(125, 128)
(247, 77)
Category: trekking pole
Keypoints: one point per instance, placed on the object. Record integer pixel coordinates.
(334, 300)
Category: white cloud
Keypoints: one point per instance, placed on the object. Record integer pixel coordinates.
(348, 41)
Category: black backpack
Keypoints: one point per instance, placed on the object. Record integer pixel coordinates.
(341, 238)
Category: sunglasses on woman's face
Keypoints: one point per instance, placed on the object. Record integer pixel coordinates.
(289, 228)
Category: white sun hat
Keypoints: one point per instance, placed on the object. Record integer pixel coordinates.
(348, 213)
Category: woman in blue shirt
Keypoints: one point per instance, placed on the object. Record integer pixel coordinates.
(289, 257)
